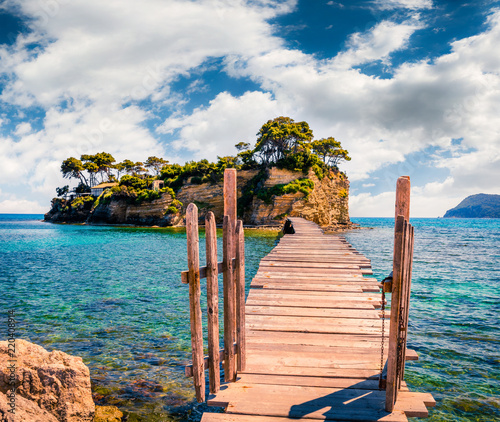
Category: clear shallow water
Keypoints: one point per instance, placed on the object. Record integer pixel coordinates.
(454, 314)
(113, 296)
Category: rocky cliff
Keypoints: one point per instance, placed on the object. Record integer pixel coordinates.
(264, 198)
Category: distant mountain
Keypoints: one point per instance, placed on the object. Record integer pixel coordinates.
(476, 206)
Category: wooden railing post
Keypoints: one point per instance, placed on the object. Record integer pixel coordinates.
(402, 215)
(194, 301)
(233, 269)
(230, 209)
(240, 296)
(403, 198)
(230, 199)
(229, 305)
(212, 303)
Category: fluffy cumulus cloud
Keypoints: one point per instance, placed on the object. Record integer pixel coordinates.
(103, 76)
(91, 67)
(215, 130)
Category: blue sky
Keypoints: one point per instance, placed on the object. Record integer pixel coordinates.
(410, 87)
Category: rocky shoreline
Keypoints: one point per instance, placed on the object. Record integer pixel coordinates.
(49, 387)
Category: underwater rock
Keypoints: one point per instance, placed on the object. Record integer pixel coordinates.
(48, 383)
(107, 414)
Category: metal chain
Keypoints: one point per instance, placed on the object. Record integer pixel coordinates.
(383, 340)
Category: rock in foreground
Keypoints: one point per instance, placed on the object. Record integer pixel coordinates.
(51, 386)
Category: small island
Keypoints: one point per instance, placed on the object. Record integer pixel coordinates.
(476, 206)
(286, 173)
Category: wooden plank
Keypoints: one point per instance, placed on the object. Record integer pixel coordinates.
(188, 369)
(229, 305)
(306, 321)
(312, 312)
(317, 287)
(194, 301)
(290, 265)
(212, 302)
(321, 272)
(307, 287)
(203, 273)
(301, 303)
(240, 296)
(278, 369)
(311, 338)
(235, 417)
(306, 381)
(349, 295)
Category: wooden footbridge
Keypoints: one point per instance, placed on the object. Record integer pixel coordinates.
(313, 340)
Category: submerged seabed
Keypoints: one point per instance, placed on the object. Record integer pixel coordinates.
(113, 296)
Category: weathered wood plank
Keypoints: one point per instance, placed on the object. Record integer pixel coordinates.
(212, 302)
(312, 312)
(229, 305)
(240, 296)
(194, 301)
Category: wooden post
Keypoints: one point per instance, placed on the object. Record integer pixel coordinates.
(403, 198)
(230, 205)
(229, 296)
(230, 198)
(392, 358)
(194, 301)
(402, 211)
(212, 303)
(240, 296)
(407, 291)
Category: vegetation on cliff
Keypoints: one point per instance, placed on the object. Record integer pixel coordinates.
(476, 206)
(281, 143)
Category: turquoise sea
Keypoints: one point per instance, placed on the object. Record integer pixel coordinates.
(113, 296)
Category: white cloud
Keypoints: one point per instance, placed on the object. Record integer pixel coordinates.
(96, 58)
(376, 44)
(366, 205)
(21, 206)
(23, 129)
(213, 131)
(403, 4)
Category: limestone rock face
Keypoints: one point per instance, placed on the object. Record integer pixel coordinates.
(51, 386)
(119, 211)
(327, 205)
(210, 197)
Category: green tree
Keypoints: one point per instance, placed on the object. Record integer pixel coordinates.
(242, 146)
(330, 151)
(92, 170)
(62, 191)
(103, 161)
(73, 168)
(127, 166)
(155, 164)
(281, 137)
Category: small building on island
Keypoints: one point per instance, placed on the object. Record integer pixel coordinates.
(101, 187)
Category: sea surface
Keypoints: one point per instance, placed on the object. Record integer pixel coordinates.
(113, 296)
